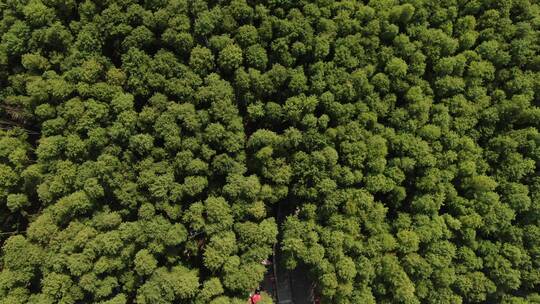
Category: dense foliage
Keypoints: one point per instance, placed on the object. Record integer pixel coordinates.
(146, 145)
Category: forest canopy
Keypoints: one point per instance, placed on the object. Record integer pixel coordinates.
(146, 146)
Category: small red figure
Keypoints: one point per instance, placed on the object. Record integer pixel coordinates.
(254, 299)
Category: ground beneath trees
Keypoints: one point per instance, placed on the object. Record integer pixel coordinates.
(287, 286)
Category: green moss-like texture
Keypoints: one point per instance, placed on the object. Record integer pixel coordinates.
(146, 145)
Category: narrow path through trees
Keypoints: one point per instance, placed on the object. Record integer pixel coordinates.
(286, 286)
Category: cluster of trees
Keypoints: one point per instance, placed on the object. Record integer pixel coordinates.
(145, 146)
